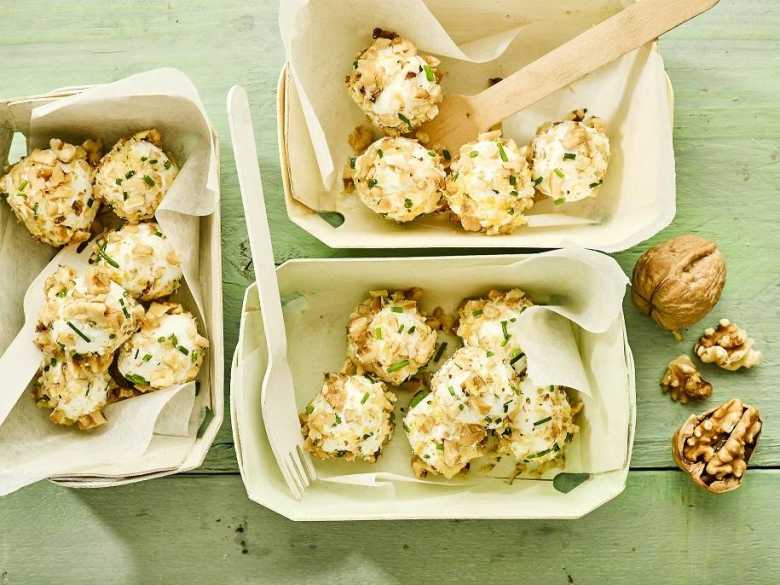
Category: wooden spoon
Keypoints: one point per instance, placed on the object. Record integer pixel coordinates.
(461, 117)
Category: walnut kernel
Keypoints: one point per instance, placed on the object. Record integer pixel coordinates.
(728, 346)
(684, 382)
(714, 447)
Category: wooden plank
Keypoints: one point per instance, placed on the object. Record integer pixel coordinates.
(185, 530)
(723, 66)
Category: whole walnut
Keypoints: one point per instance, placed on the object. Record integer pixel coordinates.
(679, 281)
(714, 447)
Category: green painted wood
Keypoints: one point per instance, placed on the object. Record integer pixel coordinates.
(182, 530)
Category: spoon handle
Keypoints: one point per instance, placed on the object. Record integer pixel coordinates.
(18, 363)
(630, 28)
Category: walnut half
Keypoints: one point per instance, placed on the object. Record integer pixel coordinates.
(684, 382)
(714, 447)
(728, 346)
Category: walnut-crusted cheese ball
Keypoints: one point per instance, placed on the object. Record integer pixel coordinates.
(570, 157)
(141, 259)
(396, 88)
(167, 350)
(135, 175)
(542, 427)
(388, 337)
(476, 387)
(351, 417)
(50, 191)
(399, 178)
(85, 315)
(75, 390)
(440, 443)
(490, 185)
(487, 322)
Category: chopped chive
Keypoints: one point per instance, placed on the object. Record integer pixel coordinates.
(411, 329)
(512, 180)
(477, 313)
(118, 180)
(537, 180)
(153, 161)
(502, 152)
(194, 356)
(136, 379)
(365, 397)
(401, 328)
(129, 174)
(309, 409)
(440, 446)
(514, 193)
(418, 398)
(569, 437)
(455, 176)
(143, 159)
(452, 390)
(79, 332)
(542, 421)
(379, 153)
(559, 172)
(183, 350)
(124, 309)
(539, 454)
(378, 333)
(161, 340)
(167, 164)
(440, 351)
(431, 153)
(90, 201)
(559, 201)
(569, 156)
(174, 339)
(490, 353)
(372, 183)
(446, 154)
(338, 419)
(35, 209)
(352, 160)
(148, 180)
(404, 119)
(429, 73)
(515, 358)
(23, 185)
(147, 357)
(397, 309)
(397, 366)
(596, 184)
(507, 335)
(473, 154)
(408, 203)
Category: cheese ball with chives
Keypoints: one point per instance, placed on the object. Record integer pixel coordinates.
(76, 391)
(487, 323)
(441, 444)
(542, 427)
(350, 418)
(489, 187)
(134, 176)
(50, 192)
(85, 315)
(139, 258)
(399, 179)
(388, 337)
(397, 88)
(570, 157)
(167, 350)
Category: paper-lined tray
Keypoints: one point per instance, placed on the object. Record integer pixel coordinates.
(318, 296)
(162, 432)
(475, 43)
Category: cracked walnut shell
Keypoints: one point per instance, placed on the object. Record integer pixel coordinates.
(728, 346)
(684, 382)
(714, 447)
(678, 281)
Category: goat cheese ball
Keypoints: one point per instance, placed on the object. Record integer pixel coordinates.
(388, 337)
(487, 323)
(570, 157)
(50, 192)
(167, 349)
(85, 315)
(76, 391)
(490, 185)
(135, 175)
(350, 418)
(441, 444)
(542, 427)
(139, 258)
(396, 88)
(399, 179)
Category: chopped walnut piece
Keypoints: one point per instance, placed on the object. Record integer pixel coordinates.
(361, 138)
(728, 346)
(714, 447)
(683, 381)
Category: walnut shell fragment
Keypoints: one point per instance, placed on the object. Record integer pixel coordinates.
(679, 281)
(714, 447)
(684, 382)
(728, 346)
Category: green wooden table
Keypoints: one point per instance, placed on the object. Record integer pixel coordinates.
(200, 527)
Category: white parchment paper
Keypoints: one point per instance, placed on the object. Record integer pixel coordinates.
(31, 447)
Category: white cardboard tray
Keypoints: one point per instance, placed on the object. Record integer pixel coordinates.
(399, 500)
(163, 457)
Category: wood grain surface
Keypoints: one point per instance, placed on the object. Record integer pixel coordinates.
(724, 67)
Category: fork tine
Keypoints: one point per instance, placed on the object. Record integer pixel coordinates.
(291, 481)
(295, 477)
(307, 463)
(298, 466)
